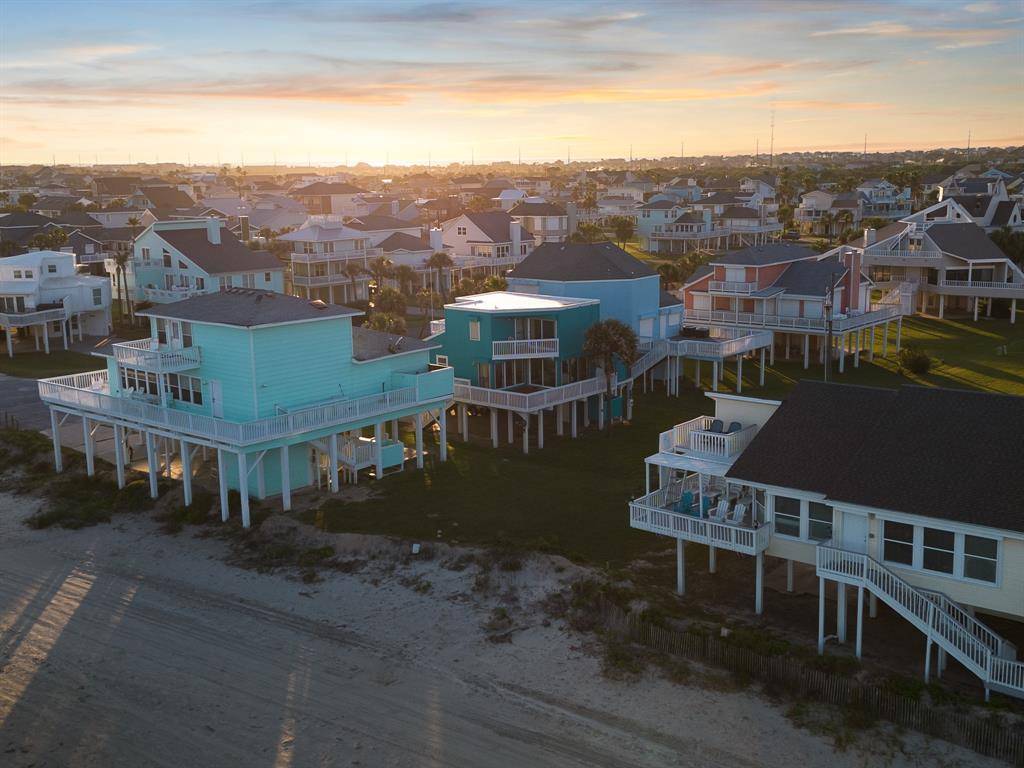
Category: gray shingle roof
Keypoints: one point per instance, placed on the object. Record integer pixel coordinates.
(376, 222)
(368, 344)
(405, 242)
(327, 188)
(811, 277)
(580, 262)
(976, 205)
(537, 209)
(669, 300)
(230, 256)
(168, 197)
(968, 241)
(1002, 214)
(495, 225)
(739, 212)
(770, 253)
(248, 307)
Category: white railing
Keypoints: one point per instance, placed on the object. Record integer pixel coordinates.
(524, 348)
(532, 401)
(722, 347)
(655, 351)
(730, 286)
(648, 513)
(332, 279)
(171, 294)
(22, 319)
(358, 453)
(901, 255)
(930, 616)
(840, 323)
(90, 391)
(143, 354)
(436, 327)
(693, 436)
(990, 285)
(996, 644)
(364, 255)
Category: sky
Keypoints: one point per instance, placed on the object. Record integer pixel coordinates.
(222, 81)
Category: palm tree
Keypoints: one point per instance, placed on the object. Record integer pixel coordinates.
(670, 275)
(494, 283)
(381, 268)
(405, 275)
(385, 321)
(623, 227)
(121, 259)
(427, 301)
(353, 270)
(604, 342)
(390, 302)
(440, 262)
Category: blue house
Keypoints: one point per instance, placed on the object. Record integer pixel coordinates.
(279, 388)
(174, 260)
(522, 354)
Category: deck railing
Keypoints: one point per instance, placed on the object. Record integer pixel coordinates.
(436, 326)
(752, 319)
(987, 285)
(162, 359)
(22, 319)
(731, 286)
(693, 436)
(524, 348)
(532, 401)
(356, 254)
(172, 294)
(649, 513)
(90, 391)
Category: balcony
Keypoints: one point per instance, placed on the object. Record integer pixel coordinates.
(902, 257)
(436, 327)
(728, 344)
(731, 287)
(695, 437)
(519, 349)
(91, 392)
(149, 355)
(519, 399)
(23, 319)
(997, 288)
(653, 513)
(840, 323)
(167, 295)
(356, 254)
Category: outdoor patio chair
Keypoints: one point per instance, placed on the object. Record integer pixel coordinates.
(738, 513)
(684, 505)
(734, 426)
(716, 426)
(721, 511)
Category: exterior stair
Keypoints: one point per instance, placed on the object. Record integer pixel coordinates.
(654, 352)
(943, 622)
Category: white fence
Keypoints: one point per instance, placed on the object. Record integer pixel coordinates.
(531, 401)
(524, 348)
(142, 354)
(22, 319)
(648, 513)
(694, 436)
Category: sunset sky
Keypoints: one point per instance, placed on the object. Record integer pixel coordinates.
(327, 81)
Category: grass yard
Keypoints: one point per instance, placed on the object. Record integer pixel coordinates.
(572, 497)
(39, 365)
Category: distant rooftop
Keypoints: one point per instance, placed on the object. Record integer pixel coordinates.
(508, 301)
(248, 308)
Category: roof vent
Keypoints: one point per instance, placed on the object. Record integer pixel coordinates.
(318, 304)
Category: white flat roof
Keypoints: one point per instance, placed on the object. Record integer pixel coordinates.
(34, 258)
(504, 301)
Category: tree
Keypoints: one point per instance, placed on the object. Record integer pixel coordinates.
(121, 259)
(587, 233)
(440, 262)
(390, 301)
(494, 283)
(1011, 243)
(50, 240)
(386, 322)
(353, 270)
(479, 204)
(427, 301)
(381, 268)
(670, 275)
(26, 200)
(406, 276)
(608, 341)
(623, 227)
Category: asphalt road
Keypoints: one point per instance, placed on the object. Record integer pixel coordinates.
(20, 398)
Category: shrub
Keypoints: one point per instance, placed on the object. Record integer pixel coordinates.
(915, 360)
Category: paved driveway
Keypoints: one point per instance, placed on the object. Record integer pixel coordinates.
(20, 398)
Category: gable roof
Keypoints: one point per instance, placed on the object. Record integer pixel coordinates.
(403, 241)
(23, 219)
(968, 241)
(537, 209)
(368, 344)
(769, 253)
(229, 256)
(975, 205)
(740, 212)
(247, 307)
(573, 262)
(376, 222)
(659, 205)
(494, 225)
(1004, 209)
(167, 197)
(327, 188)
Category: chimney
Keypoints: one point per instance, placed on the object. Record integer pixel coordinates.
(870, 237)
(213, 230)
(573, 217)
(513, 231)
(243, 222)
(853, 262)
(436, 239)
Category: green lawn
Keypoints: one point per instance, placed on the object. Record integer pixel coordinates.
(39, 365)
(572, 496)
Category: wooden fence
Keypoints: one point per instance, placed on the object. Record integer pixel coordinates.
(985, 735)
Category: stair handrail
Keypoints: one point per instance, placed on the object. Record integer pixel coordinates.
(996, 643)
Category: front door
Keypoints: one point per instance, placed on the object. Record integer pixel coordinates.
(216, 401)
(855, 532)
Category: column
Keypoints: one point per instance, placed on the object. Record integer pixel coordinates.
(842, 352)
(899, 333)
(9, 333)
(444, 435)
(714, 376)
(64, 331)
(761, 373)
(696, 376)
(759, 585)
(807, 351)
(119, 454)
(586, 408)
(1013, 316)
(785, 349)
(394, 430)
(186, 472)
(511, 429)
(58, 463)
(90, 453)
(540, 428)
(243, 486)
(286, 478)
(712, 558)
(378, 445)
(559, 419)
(942, 305)
(885, 340)
(526, 433)
(856, 348)
(739, 373)
(789, 575)
(821, 615)
(860, 621)
(463, 416)
(418, 426)
(841, 611)
(771, 353)
(680, 568)
(46, 331)
(575, 410)
(332, 458)
(871, 349)
(151, 461)
(872, 607)
(988, 307)
(629, 399)
(261, 477)
(600, 411)
(222, 482)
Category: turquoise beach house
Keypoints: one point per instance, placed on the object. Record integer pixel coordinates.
(275, 392)
(522, 354)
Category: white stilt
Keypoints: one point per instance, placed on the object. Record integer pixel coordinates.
(46, 331)
(856, 349)
(418, 426)
(759, 585)
(807, 351)
(540, 428)
(378, 444)
(712, 559)
(58, 462)
(680, 568)
(600, 411)
(761, 373)
(942, 305)
(842, 352)
(560, 419)
(90, 448)
(975, 320)
(222, 482)
(572, 423)
(332, 462)
(463, 413)
(860, 621)
(739, 374)
(714, 376)
(443, 422)
(871, 349)
(1013, 312)
(511, 428)
(526, 433)
(841, 611)
(243, 486)
(151, 460)
(899, 333)
(821, 615)
(119, 454)
(286, 478)
(186, 473)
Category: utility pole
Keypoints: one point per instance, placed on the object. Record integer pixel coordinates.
(771, 143)
(865, 146)
(829, 291)
(968, 145)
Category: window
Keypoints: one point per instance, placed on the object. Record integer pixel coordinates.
(483, 375)
(161, 330)
(442, 360)
(97, 296)
(28, 274)
(502, 251)
(898, 543)
(186, 334)
(787, 516)
(309, 247)
(819, 524)
(980, 556)
(51, 268)
(167, 258)
(201, 283)
(938, 550)
(17, 274)
(474, 330)
(140, 381)
(145, 254)
(460, 230)
(328, 247)
(223, 283)
(266, 277)
(182, 265)
(187, 389)
(249, 280)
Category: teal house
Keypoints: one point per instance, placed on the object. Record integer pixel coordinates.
(268, 392)
(522, 355)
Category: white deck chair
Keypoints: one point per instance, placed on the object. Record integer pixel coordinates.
(719, 515)
(738, 513)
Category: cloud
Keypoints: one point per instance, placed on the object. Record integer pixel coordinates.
(960, 37)
(983, 7)
(830, 104)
